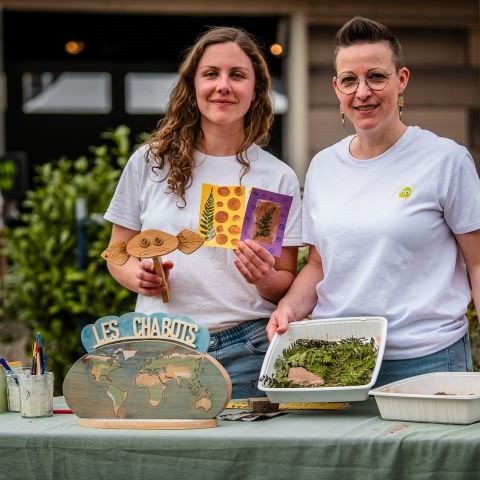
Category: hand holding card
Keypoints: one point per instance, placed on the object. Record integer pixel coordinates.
(266, 218)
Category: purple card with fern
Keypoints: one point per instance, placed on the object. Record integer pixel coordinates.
(266, 219)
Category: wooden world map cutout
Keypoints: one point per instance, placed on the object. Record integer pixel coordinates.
(147, 372)
(153, 244)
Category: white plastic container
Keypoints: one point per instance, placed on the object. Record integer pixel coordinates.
(324, 329)
(443, 397)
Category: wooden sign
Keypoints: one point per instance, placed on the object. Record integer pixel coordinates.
(140, 326)
(146, 372)
(153, 244)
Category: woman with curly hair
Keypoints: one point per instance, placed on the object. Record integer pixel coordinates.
(219, 116)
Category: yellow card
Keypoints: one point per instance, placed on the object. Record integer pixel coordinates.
(222, 209)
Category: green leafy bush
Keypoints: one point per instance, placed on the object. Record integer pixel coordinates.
(45, 288)
(7, 174)
(474, 332)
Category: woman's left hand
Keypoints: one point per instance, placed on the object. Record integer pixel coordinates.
(253, 261)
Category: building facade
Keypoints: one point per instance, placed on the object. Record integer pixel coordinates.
(441, 41)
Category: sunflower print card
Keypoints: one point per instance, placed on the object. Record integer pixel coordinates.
(222, 210)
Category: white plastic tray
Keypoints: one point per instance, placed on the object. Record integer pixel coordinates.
(417, 398)
(324, 329)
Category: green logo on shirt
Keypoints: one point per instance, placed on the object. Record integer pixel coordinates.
(405, 192)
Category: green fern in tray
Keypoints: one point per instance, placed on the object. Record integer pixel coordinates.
(207, 226)
(344, 362)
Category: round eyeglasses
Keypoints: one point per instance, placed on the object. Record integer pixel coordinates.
(348, 83)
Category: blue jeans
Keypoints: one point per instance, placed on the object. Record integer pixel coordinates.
(456, 358)
(241, 350)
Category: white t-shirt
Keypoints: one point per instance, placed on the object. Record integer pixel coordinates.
(384, 228)
(204, 285)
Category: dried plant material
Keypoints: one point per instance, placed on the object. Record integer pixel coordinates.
(266, 218)
(338, 363)
(303, 378)
(454, 394)
(207, 226)
(116, 253)
(221, 239)
(221, 215)
(224, 191)
(234, 204)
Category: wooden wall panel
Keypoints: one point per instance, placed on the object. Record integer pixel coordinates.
(325, 128)
(435, 88)
(445, 122)
(426, 47)
(321, 46)
(444, 88)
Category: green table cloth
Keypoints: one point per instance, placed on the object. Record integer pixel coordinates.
(353, 443)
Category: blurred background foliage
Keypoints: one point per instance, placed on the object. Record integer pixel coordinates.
(474, 336)
(56, 281)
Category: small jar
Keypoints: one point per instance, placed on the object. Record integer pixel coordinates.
(3, 390)
(36, 394)
(13, 391)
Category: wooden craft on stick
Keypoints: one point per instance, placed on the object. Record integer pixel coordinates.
(153, 244)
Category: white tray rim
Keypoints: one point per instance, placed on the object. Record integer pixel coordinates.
(379, 392)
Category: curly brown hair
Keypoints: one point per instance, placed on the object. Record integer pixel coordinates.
(179, 132)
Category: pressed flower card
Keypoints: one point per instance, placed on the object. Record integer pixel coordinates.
(265, 219)
(222, 211)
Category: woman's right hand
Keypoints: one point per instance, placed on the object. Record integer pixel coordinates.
(148, 282)
(279, 320)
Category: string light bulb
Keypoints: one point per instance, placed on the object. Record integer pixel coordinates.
(276, 49)
(74, 47)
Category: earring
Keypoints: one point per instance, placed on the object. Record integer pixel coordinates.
(342, 117)
(401, 105)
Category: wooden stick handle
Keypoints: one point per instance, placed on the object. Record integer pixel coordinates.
(157, 264)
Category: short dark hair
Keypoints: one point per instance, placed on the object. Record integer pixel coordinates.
(363, 30)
